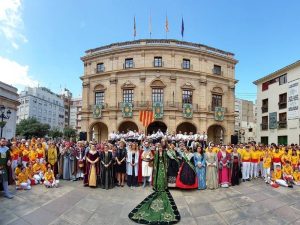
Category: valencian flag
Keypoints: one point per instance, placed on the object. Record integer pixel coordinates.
(127, 109)
(97, 111)
(219, 113)
(158, 109)
(187, 110)
(146, 117)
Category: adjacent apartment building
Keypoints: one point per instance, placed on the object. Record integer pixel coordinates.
(245, 125)
(278, 118)
(42, 104)
(75, 113)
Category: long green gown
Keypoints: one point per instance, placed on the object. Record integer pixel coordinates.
(159, 207)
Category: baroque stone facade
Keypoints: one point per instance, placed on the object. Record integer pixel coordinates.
(169, 71)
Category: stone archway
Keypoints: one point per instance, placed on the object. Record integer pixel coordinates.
(216, 134)
(154, 126)
(98, 132)
(127, 125)
(186, 127)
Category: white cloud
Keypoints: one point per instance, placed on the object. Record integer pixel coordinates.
(11, 23)
(15, 74)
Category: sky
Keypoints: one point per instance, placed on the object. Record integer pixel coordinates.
(41, 41)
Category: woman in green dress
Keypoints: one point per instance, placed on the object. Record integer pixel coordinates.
(159, 207)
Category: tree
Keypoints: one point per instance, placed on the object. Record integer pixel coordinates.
(69, 132)
(55, 133)
(32, 128)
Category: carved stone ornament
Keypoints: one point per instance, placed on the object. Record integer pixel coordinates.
(128, 85)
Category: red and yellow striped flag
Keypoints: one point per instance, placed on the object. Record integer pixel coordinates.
(146, 117)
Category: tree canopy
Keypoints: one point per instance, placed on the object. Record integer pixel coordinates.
(31, 127)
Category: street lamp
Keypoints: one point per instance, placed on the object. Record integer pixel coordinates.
(3, 116)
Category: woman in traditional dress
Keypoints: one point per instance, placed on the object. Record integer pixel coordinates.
(92, 167)
(200, 164)
(211, 169)
(159, 207)
(187, 178)
(224, 160)
(132, 165)
(106, 169)
(121, 163)
(236, 173)
(173, 165)
(68, 155)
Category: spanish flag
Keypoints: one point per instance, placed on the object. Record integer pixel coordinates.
(146, 117)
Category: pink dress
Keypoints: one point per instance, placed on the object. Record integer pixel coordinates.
(224, 167)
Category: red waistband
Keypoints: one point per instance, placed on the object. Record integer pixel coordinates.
(247, 160)
(276, 160)
(254, 160)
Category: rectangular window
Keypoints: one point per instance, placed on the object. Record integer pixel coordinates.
(157, 95)
(216, 101)
(282, 123)
(265, 86)
(186, 64)
(187, 96)
(282, 140)
(264, 140)
(265, 103)
(282, 101)
(128, 95)
(158, 62)
(264, 123)
(283, 79)
(100, 67)
(99, 98)
(217, 70)
(129, 63)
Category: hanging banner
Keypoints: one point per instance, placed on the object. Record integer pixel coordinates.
(273, 120)
(293, 100)
(158, 110)
(219, 113)
(97, 111)
(187, 110)
(127, 109)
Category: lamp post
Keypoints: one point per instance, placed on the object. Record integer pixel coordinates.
(3, 116)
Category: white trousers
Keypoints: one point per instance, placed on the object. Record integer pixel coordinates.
(253, 170)
(246, 170)
(266, 173)
(53, 184)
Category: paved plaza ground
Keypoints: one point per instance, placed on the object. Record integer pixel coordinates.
(250, 203)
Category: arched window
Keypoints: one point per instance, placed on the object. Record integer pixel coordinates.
(157, 90)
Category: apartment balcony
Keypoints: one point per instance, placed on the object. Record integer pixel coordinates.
(264, 109)
(282, 105)
(282, 124)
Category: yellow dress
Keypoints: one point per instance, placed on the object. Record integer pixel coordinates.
(52, 155)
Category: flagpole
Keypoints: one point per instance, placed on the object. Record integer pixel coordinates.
(150, 25)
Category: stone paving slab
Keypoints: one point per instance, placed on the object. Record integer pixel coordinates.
(252, 203)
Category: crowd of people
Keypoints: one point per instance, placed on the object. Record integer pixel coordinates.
(191, 162)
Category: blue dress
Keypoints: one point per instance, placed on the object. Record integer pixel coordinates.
(200, 160)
